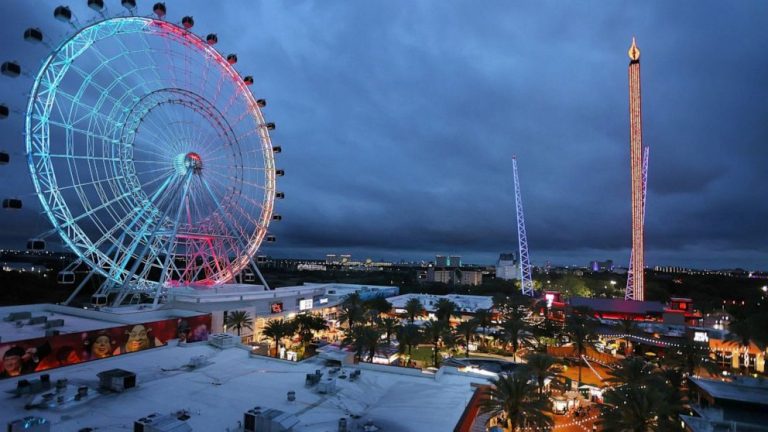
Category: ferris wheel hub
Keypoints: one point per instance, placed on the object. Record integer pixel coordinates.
(191, 161)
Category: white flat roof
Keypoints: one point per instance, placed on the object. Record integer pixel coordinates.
(465, 303)
(218, 394)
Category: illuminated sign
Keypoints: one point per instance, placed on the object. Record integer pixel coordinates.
(324, 300)
(305, 304)
(700, 336)
(276, 307)
(550, 298)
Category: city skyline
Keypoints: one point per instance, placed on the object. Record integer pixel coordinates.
(399, 124)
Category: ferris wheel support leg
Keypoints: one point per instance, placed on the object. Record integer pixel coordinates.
(253, 264)
(261, 277)
(79, 287)
(172, 240)
(125, 289)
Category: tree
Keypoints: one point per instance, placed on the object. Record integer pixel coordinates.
(434, 332)
(580, 328)
(514, 397)
(408, 336)
(351, 309)
(541, 367)
(445, 309)
(414, 308)
(483, 318)
(628, 327)
(513, 327)
(378, 305)
(239, 320)
(389, 325)
(364, 339)
(691, 357)
(466, 331)
(277, 329)
(307, 324)
(632, 371)
(646, 408)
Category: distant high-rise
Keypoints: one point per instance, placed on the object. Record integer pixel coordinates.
(441, 261)
(507, 267)
(636, 290)
(454, 261)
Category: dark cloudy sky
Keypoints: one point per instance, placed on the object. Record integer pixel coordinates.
(398, 121)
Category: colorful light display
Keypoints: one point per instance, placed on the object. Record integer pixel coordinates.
(636, 290)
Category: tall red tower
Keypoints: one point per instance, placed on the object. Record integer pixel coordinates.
(636, 289)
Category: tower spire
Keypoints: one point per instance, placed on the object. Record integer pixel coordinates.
(636, 287)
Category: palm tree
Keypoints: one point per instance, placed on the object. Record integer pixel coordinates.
(307, 324)
(434, 332)
(364, 339)
(632, 371)
(466, 331)
(239, 320)
(483, 318)
(691, 357)
(378, 305)
(414, 308)
(540, 366)
(389, 325)
(628, 327)
(513, 327)
(408, 336)
(351, 309)
(580, 328)
(277, 329)
(646, 408)
(514, 397)
(445, 309)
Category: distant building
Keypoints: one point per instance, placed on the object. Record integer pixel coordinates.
(471, 277)
(310, 267)
(601, 266)
(454, 261)
(507, 267)
(441, 261)
(440, 275)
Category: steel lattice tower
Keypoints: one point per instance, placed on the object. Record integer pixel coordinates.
(637, 289)
(629, 293)
(526, 282)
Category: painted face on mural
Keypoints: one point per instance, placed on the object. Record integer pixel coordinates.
(102, 347)
(138, 339)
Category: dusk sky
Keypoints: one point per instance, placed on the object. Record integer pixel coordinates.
(398, 121)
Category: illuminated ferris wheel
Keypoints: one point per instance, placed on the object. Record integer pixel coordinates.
(149, 154)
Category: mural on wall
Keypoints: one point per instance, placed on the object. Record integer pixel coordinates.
(35, 355)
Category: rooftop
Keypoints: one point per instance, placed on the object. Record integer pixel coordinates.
(465, 303)
(217, 394)
(618, 305)
(754, 391)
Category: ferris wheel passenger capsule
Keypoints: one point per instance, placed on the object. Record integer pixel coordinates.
(4, 158)
(12, 203)
(279, 172)
(277, 149)
(159, 9)
(248, 80)
(232, 59)
(4, 111)
(10, 69)
(261, 103)
(62, 13)
(65, 277)
(212, 39)
(96, 5)
(279, 195)
(35, 244)
(128, 4)
(277, 217)
(271, 239)
(188, 22)
(33, 35)
(270, 126)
